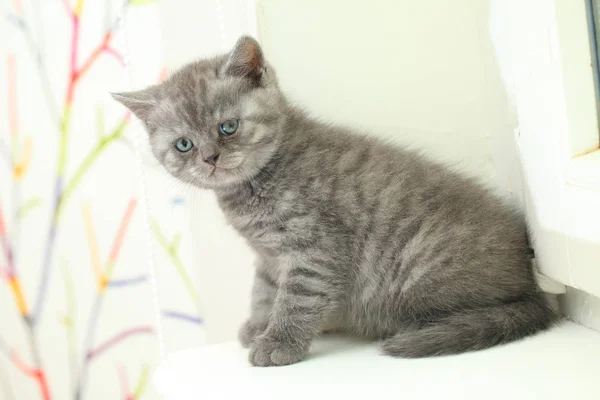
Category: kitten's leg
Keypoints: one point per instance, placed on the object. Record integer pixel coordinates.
(306, 295)
(264, 290)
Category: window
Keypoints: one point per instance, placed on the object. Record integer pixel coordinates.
(553, 60)
(593, 14)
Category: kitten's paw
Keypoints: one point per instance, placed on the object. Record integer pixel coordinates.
(268, 352)
(249, 331)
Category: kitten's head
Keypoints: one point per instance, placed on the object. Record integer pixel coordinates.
(216, 122)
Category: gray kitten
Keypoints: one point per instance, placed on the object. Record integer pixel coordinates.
(351, 234)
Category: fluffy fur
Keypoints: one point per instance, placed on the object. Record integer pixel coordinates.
(351, 234)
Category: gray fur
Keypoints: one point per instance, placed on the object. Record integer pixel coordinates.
(351, 234)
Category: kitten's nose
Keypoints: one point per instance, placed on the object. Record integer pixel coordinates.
(212, 160)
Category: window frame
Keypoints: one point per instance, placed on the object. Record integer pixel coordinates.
(552, 79)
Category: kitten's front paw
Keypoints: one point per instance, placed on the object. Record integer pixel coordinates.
(249, 331)
(267, 352)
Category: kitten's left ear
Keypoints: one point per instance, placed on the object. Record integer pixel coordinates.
(140, 102)
(246, 60)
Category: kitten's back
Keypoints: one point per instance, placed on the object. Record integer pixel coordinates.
(426, 242)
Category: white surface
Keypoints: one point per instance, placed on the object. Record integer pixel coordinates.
(547, 54)
(562, 363)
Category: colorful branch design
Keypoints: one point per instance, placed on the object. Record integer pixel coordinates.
(19, 19)
(19, 161)
(171, 248)
(140, 387)
(9, 274)
(68, 320)
(7, 387)
(33, 372)
(18, 154)
(62, 191)
(125, 282)
(104, 281)
(28, 206)
(37, 373)
(142, 383)
(183, 317)
(103, 277)
(118, 338)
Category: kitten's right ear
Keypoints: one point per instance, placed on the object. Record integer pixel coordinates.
(140, 102)
(246, 60)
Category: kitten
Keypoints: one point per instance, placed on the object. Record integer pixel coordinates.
(351, 234)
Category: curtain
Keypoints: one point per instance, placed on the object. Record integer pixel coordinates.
(79, 316)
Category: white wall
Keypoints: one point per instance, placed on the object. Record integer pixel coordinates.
(421, 73)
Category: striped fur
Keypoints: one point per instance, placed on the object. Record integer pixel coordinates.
(351, 233)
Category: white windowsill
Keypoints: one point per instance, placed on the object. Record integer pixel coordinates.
(584, 171)
(559, 364)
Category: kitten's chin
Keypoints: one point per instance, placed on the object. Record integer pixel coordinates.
(218, 179)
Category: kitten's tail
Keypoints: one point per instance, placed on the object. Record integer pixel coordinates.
(473, 330)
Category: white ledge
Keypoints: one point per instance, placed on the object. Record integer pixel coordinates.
(563, 363)
(584, 171)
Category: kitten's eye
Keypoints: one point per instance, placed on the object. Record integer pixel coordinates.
(183, 145)
(229, 127)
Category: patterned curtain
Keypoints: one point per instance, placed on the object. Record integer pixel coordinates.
(77, 315)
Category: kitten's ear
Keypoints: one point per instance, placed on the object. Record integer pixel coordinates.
(140, 102)
(246, 59)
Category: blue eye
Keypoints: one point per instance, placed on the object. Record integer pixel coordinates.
(229, 127)
(183, 145)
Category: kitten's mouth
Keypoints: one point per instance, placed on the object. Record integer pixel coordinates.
(225, 169)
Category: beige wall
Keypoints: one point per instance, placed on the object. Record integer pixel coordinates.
(421, 73)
